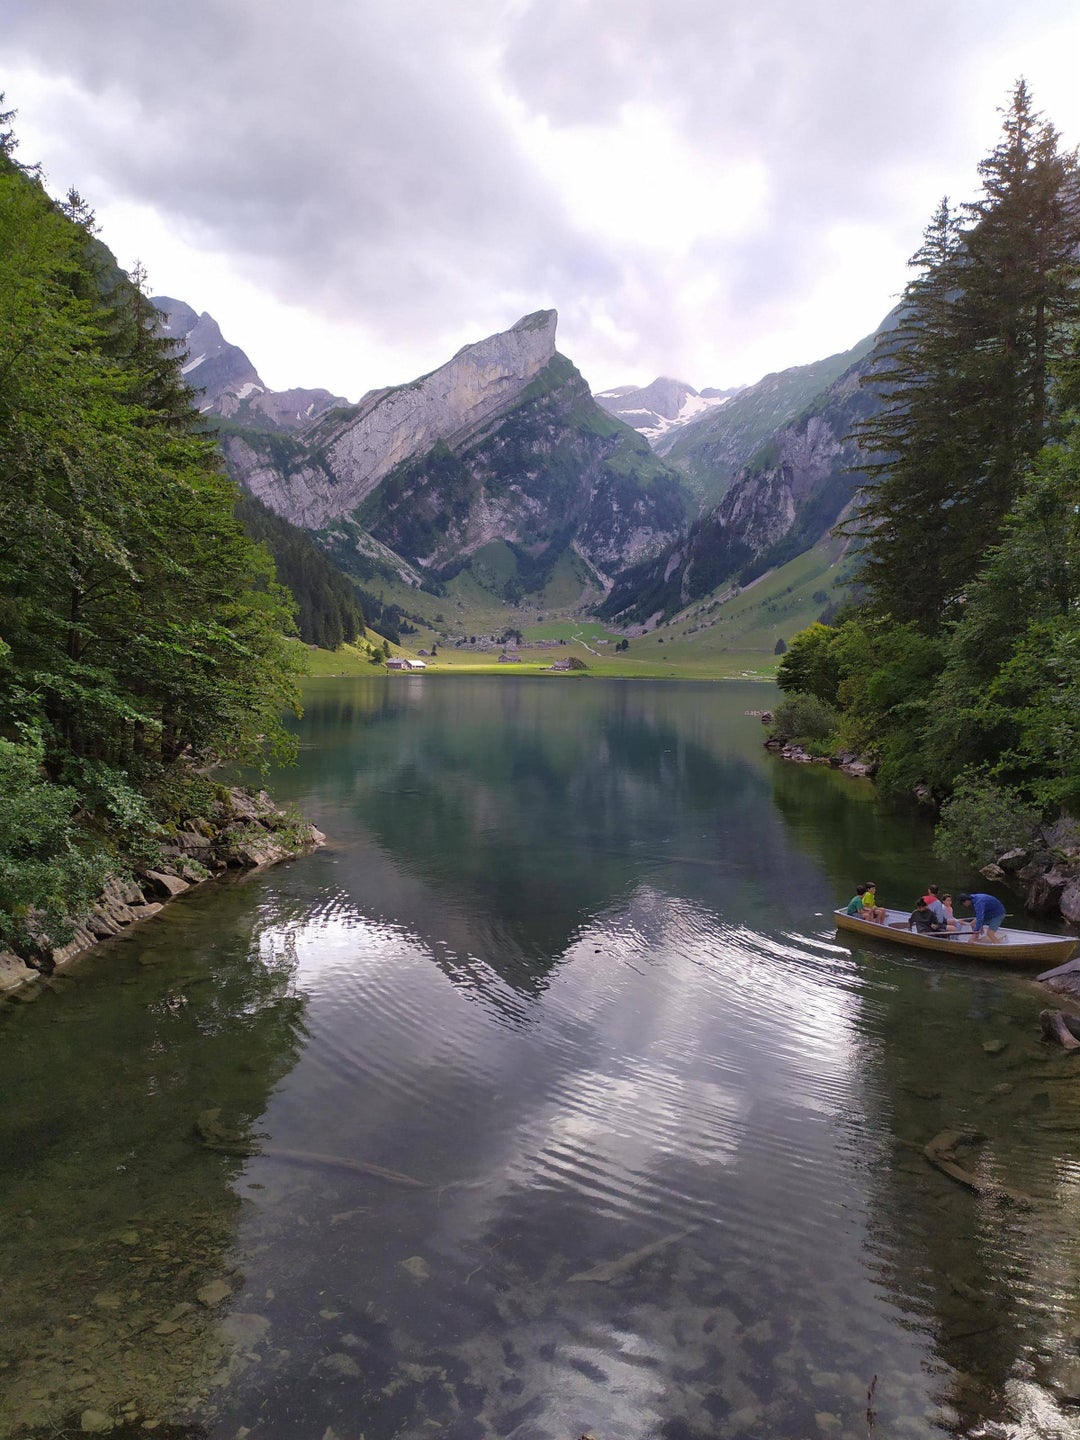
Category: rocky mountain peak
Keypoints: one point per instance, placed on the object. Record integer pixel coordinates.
(225, 380)
(659, 407)
(359, 446)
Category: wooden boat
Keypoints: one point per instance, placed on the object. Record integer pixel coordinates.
(1017, 947)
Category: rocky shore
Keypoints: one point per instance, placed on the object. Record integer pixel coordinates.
(242, 832)
(845, 760)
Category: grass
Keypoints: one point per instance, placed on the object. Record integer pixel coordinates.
(726, 636)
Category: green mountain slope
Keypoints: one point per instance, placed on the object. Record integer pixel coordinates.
(710, 451)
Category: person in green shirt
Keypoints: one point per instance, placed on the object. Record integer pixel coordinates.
(854, 905)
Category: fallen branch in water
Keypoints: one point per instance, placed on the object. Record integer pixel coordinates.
(941, 1152)
(217, 1137)
(613, 1269)
(1059, 1027)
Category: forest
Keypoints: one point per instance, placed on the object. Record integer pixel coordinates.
(143, 633)
(956, 665)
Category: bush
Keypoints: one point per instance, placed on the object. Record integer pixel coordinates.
(803, 717)
(50, 870)
(981, 820)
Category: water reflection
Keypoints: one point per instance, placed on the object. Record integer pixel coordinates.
(574, 1114)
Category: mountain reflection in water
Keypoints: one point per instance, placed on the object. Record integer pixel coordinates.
(575, 1114)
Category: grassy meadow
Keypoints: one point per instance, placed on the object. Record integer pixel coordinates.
(732, 634)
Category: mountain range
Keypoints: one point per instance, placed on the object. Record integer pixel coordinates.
(502, 464)
(656, 409)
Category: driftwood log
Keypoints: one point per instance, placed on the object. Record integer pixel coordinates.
(1062, 1028)
(941, 1152)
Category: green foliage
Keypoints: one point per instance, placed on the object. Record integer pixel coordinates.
(966, 375)
(50, 867)
(141, 627)
(981, 820)
(804, 718)
(328, 611)
(808, 667)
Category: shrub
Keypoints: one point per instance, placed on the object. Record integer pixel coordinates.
(982, 820)
(803, 717)
(50, 870)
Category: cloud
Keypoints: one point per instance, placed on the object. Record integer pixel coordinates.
(686, 183)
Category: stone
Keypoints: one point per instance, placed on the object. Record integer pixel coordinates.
(164, 884)
(101, 925)
(213, 1293)
(95, 1422)
(1012, 860)
(1069, 903)
(1045, 894)
(994, 1047)
(338, 1364)
(13, 971)
(244, 1330)
(417, 1267)
(992, 872)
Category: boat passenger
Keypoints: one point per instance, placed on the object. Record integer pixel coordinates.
(923, 919)
(854, 905)
(935, 906)
(951, 922)
(871, 910)
(989, 913)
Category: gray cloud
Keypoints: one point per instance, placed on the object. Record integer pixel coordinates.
(354, 159)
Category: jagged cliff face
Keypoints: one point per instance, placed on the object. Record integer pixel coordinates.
(227, 382)
(798, 486)
(548, 474)
(503, 443)
(344, 458)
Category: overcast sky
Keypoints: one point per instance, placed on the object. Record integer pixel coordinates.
(356, 188)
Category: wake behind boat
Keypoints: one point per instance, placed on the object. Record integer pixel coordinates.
(1016, 947)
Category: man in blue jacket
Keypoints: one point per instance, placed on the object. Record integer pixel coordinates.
(989, 913)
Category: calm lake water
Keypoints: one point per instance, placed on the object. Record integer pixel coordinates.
(573, 1112)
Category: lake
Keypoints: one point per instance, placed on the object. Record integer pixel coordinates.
(545, 1100)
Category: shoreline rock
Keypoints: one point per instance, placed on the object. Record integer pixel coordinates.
(245, 831)
(846, 760)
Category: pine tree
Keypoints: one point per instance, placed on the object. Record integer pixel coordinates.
(966, 376)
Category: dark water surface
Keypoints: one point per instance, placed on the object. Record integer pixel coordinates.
(574, 1112)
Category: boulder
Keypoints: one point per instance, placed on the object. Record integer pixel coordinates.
(1045, 893)
(1013, 860)
(102, 925)
(164, 884)
(13, 971)
(992, 872)
(193, 845)
(1069, 903)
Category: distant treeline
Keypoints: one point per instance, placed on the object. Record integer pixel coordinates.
(328, 610)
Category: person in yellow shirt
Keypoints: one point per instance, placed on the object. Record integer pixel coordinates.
(871, 910)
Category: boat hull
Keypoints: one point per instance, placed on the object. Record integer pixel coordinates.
(1019, 947)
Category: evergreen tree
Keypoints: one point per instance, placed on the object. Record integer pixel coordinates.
(966, 376)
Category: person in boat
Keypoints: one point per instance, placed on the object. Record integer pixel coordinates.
(854, 905)
(989, 913)
(923, 920)
(951, 922)
(871, 910)
(936, 907)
